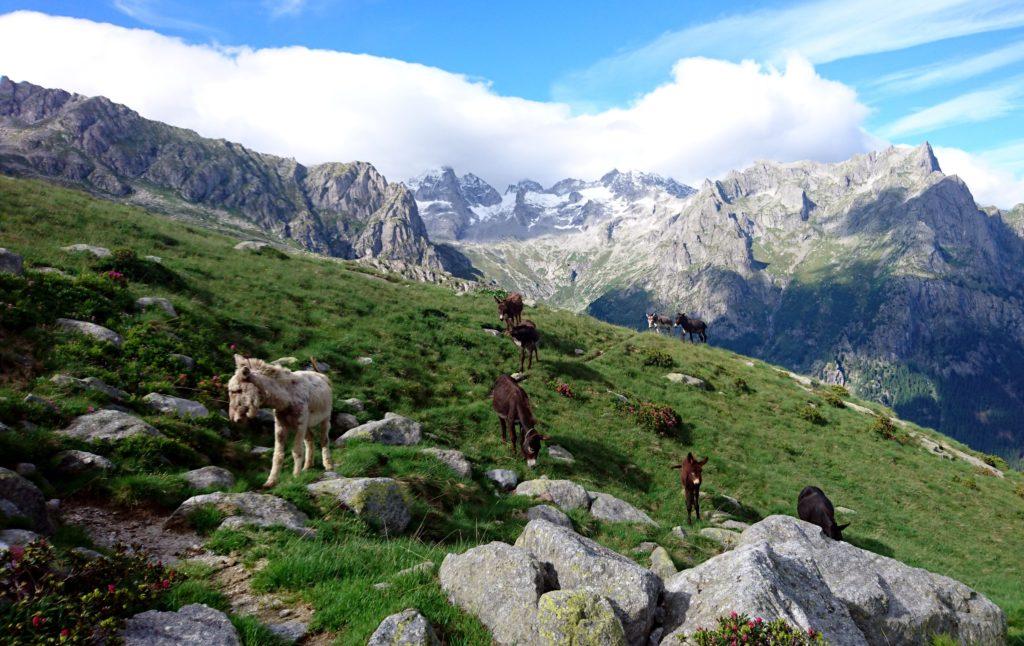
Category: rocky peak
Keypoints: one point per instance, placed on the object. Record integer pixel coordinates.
(478, 192)
(525, 186)
(637, 184)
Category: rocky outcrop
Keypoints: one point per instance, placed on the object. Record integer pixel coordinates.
(890, 602)
(24, 500)
(346, 210)
(192, 624)
(107, 426)
(550, 514)
(578, 617)
(607, 507)
(579, 562)
(93, 330)
(379, 501)
(241, 509)
(393, 429)
(564, 493)
(406, 628)
(500, 585)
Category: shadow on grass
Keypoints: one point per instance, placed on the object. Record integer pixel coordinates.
(577, 371)
(871, 545)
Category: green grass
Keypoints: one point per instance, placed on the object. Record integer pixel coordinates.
(756, 426)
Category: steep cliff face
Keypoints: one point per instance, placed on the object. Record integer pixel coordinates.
(109, 149)
(879, 272)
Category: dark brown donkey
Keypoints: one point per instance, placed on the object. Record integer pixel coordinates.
(691, 477)
(513, 407)
(510, 309)
(693, 326)
(814, 507)
(525, 335)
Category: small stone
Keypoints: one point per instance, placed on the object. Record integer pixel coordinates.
(505, 479)
(845, 510)
(383, 585)
(286, 361)
(290, 631)
(724, 537)
(74, 462)
(364, 361)
(86, 553)
(146, 302)
(345, 422)
(11, 263)
(187, 362)
(559, 454)
(734, 525)
(579, 352)
(645, 548)
(209, 478)
(406, 628)
(550, 514)
(424, 567)
(99, 252)
(243, 509)
(661, 563)
(157, 259)
(355, 404)
(454, 460)
(678, 377)
(97, 332)
(45, 403)
(260, 450)
(192, 624)
(607, 507)
(393, 429)
(25, 469)
(49, 270)
(492, 331)
(53, 506)
(518, 376)
(679, 533)
(564, 493)
(16, 538)
(380, 501)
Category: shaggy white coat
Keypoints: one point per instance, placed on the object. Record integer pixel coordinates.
(301, 401)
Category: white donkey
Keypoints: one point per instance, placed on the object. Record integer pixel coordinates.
(301, 401)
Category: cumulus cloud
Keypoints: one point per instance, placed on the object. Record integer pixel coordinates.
(990, 184)
(318, 105)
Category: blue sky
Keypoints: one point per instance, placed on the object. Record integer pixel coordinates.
(947, 71)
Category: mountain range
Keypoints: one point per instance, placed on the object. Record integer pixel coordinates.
(880, 273)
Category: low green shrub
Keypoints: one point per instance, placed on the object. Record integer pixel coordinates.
(127, 263)
(46, 598)
(840, 391)
(833, 399)
(967, 481)
(741, 629)
(810, 413)
(996, 461)
(658, 359)
(742, 386)
(886, 429)
(657, 418)
(40, 298)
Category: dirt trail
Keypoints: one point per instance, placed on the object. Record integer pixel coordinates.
(108, 526)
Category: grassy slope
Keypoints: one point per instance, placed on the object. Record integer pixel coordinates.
(434, 362)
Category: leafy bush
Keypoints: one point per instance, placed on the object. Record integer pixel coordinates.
(658, 359)
(996, 461)
(658, 418)
(742, 386)
(1019, 490)
(130, 267)
(968, 482)
(886, 429)
(839, 390)
(741, 629)
(565, 391)
(833, 399)
(810, 413)
(49, 599)
(39, 299)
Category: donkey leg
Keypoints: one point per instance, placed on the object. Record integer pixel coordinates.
(300, 436)
(310, 449)
(280, 435)
(522, 357)
(325, 444)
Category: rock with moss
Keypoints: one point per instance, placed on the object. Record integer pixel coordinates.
(107, 426)
(90, 383)
(577, 618)
(344, 422)
(661, 563)
(146, 302)
(406, 628)
(73, 462)
(393, 429)
(176, 406)
(379, 501)
(93, 330)
(500, 585)
(192, 624)
(550, 514)
(209, 478)
(564, 493)
(560, 454)
(580, 562)
(242, 509)
(724, 537)
(454, 460)
(10, 263)
(609, 508)
(25, 500)
(99, 252)
(16, 538)
(504, 479)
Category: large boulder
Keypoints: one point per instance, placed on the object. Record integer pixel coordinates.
(16, 538)
(890, 602)
(393, 429)
(580, 562)
(564, 493)
(607, 507)
(25, 500)
(455, 460)
(500, 585)
(406, 628)
(192, 624)
(761, 583)
(209, 478)
(73, 462)
(10, 263)
(146, 302)
(256, 509)
(504, 479)
(578, 617)
(170, 405)
(560, 454)
(107, 426)
(380, 501)
(97, 332)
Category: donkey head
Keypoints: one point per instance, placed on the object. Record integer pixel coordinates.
(245, 396)
(693, 469)
(680, 318)
(502, 308)
(650, 320)
(835, 532)
(531, 446)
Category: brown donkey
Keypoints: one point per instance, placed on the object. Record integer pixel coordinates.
(510, 309)
(512, 405)
(525, 336)
(691, 477)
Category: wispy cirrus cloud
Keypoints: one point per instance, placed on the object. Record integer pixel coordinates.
(278, 8)
(971, 107)
(821, 31)
(152, 14)
(948, 71)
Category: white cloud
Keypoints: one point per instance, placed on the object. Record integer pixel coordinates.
(972, 107)
(990, 183)
(821, 31)
(320, 106)
(285, 7)
(949, 71)
(148, 12)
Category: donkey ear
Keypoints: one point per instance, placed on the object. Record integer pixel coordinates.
(689, 457)
(842, 527)
(497, 300)
(240, 361)
(246, 371)
(704, 461)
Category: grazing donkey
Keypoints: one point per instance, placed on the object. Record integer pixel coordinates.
(513, 407)
(658, 323)
(510, 309)
(814, 507)
(301, 401)
(693, 326)
(691, 477)
(525, 336)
